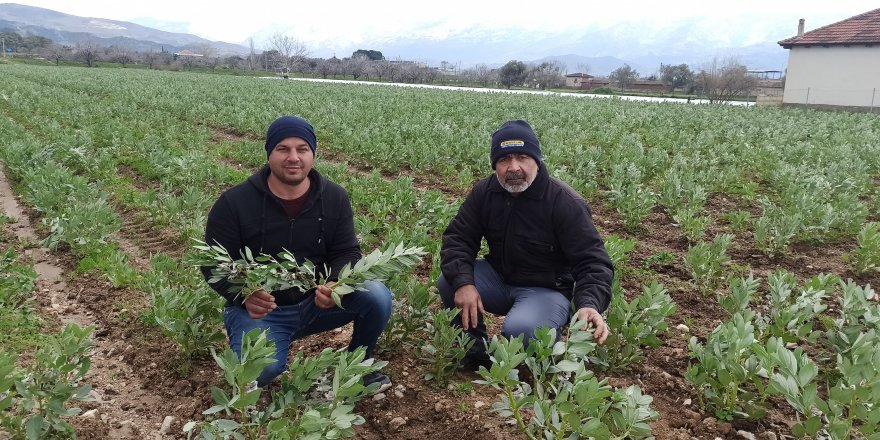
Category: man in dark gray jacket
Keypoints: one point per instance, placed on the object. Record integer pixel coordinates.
(544, 251)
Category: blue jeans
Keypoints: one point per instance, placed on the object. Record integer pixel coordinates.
(369, 309)
(526, 308)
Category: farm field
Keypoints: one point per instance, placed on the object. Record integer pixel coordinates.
(746, 243)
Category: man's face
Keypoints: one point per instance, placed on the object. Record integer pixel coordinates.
(515, 172)
(291, 160)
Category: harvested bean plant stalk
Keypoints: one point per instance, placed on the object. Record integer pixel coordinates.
(265, 272)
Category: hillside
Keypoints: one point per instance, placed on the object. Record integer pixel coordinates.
(71, 29)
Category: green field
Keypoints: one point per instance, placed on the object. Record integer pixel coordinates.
(693, 197)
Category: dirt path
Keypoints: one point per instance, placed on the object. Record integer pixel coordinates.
(116, 389)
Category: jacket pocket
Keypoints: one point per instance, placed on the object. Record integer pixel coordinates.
(534, 255)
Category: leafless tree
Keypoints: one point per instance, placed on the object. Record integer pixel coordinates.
(393, 70)
(121, 55)
(383, 69)
(355, 66)
(429, 75)
(150, 58)
(209, 55)
(480, 74)
(584, 68)
(87, 51)
(331, 66)
(188, 61)
(290, 50)
(56, 52)
(722, 80)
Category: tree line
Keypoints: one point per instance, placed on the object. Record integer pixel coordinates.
(719, 80)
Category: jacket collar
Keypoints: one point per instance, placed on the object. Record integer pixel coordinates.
(534, 191)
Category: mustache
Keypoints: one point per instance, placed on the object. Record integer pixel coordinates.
(515, 175)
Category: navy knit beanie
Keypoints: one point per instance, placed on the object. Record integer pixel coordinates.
(290, 126)
(514, 137)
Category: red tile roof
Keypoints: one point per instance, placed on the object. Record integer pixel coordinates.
(861, 29)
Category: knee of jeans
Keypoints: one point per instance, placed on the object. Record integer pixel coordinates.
(516, 327)
(446, 293)
(379, 295)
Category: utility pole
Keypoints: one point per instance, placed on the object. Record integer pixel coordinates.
(4, 47)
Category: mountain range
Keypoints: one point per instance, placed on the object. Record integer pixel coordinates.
(598, 50)
(71, 29)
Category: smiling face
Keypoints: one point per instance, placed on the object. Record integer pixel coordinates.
(515, 172)
(291, 161)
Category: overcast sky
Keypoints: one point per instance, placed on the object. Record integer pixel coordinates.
(340, 23)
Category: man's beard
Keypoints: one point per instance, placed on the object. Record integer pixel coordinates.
(515, 182)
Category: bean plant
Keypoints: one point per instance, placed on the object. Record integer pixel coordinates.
(447, 347)
(315, 399)
(726, 371)
(16, 280)
(741, 291)
(34, 403)
(705, 261)
(792, 316)
(410, 311)
(632, 199)
(191, 317)
(776, 229)
(692, 223)
(866, 257)
(565, 399)
(633, 325)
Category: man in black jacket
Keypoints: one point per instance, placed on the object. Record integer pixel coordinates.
(288, 205)
(544, 251)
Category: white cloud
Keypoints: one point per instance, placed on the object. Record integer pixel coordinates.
(330, 23)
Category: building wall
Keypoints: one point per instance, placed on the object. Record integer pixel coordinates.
(833, 76)
(647, 88)
(593, 84)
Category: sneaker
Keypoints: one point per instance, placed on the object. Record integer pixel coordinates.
(473, 363)
(379, 378)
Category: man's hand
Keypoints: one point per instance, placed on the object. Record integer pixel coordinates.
(468, 300)
(594, 317)
(322, 297)
(259, 304)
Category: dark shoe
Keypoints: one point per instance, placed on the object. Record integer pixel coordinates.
(473, 363)
(378, 378)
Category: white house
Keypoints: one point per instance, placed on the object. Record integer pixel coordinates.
(835, 66)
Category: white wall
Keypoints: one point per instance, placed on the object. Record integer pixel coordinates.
(836, 75)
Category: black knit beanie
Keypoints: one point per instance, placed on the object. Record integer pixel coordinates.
(290, 126)
(514, 137)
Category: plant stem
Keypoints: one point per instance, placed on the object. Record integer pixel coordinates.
(516, 414)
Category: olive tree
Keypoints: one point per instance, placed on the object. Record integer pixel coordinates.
(624, 76)
(513, 74)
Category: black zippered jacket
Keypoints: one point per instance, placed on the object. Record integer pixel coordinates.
(249, 215)
(544, 237)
